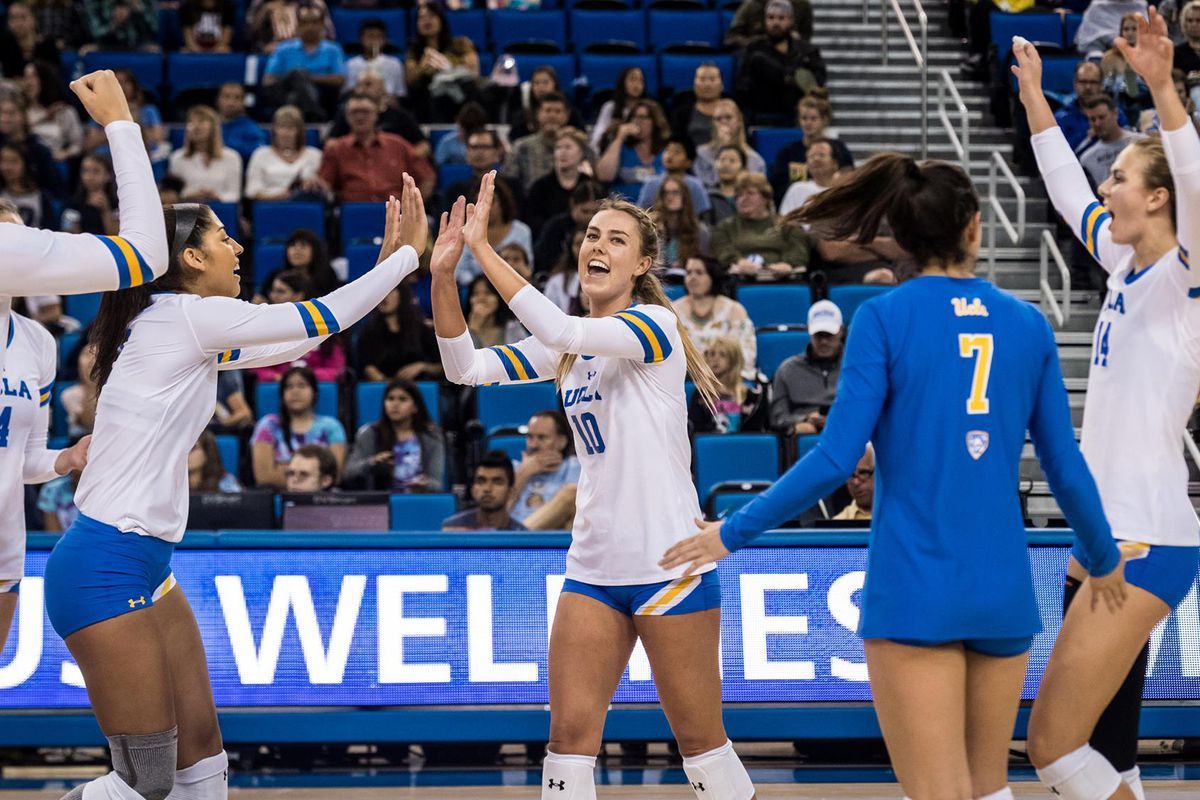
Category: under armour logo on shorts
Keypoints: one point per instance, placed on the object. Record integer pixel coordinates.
(141, 601)
(561, 785)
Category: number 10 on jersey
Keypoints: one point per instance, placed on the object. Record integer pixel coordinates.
(589, 432)
(979, 347)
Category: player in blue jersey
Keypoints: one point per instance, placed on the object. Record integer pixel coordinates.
(944, 375)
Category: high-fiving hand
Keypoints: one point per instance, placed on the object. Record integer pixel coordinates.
(447, 249)
(1154, 55)
(405, 221)
(479, 213)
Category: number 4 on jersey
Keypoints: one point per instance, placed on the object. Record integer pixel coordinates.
(5, 420)
(970, 344)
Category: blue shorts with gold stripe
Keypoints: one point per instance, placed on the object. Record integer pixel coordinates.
(665, 599)
(96, 572)
(1164, 571)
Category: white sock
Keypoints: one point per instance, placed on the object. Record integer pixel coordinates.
(110, 787)
(207, 779)
(1083, 774)
(567, 777)
(719, 774)
(1003, 794)
(1133, 779)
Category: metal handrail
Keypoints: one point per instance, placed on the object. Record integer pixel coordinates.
(1049, 248)
(996, 212)
(920, 53)
(961, 141)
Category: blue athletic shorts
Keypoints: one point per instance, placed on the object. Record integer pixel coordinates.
(997, 648)
(665, 599)
(96, 572)
(1164, 571)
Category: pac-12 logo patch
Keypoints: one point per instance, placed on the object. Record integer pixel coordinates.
(977, 443)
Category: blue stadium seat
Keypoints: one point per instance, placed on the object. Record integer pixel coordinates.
(230, 449)
(267, 258)
(362, 222)
(674, 291)
(590, 27)
(722, 457)
(368, 400)
(849, 298)
(449, 174)
(774, 347)
(784, 304)
(203, 70)
(266, 398)
(769, 141)
(1071, 25)
(1034, 26)
(510, 26)
(471, 23)
(275, 221)
(510, 406)
(563, 65)
(420, 512)
(678, 70)
(806, 443)
(66, 346)
(727, 15)
(725, 503)
(602, 71)
(1058, 74)
(227, 213)
(347, 20)
(360, 257)
(678, 27)
(147, 68)
(511, 443)
(82, 307)
(58, 414)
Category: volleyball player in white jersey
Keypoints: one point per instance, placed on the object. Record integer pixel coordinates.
(1142, 385)
(109, 589)
(621, 373)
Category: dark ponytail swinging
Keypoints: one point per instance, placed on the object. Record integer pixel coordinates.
(187, 223)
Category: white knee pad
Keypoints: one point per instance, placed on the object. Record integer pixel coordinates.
(207, 779)
(1081, 775)
(1003, 794)
(1133, 779)
(568, 777)
(719, 775)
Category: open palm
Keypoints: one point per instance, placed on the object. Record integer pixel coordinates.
(447, 249)
(479, 213)
(1154, 55)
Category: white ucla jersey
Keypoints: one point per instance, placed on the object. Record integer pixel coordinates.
(25, 388)
(624, 400)
(1145, 369)
(162, 389)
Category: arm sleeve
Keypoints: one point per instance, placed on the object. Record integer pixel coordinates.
(266, 355)
(1069, 190)
(1183, 156)
(39, 462)
(45, 262)
(223, 324)
(527, 361)
(1066, 471)
(860, 397)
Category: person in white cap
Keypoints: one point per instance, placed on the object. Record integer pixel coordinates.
(805, 384)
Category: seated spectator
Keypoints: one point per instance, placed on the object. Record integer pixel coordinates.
(678, 157)
(308, 71)
(562, 286)
(121, 25)
(813, 115)
(206, 473)
(805, 384)
(312, 469)
(18, 187)
(1105, 141)
(634, 155)
(1149, 122)
(376, 57)
(503, 229)
(543, 496)
(631, 87)
(779, 67)
(491, 490)
(306, 252)
(740, 407)
(489, 318)
(1187, 53)
(861, 486)
(21, 43)
(1089, 84)
(848, 262)
(53, 120)
(1101, 24)
(820, 167)
(752, 242)
(271, 22)
(402, 451)
(549, 194)
(558, 231)
(1120, 80)
(396, 343)
(442, 70)
(749, 22)
(328, 359)
(452, 149)
(79, 399)
(232, 413)
(56, 501)
(59, 21)
(93, 209)
(485, 150)
(524, 102)
(154, 133)
(518, 258)
(532, 156)
(277, 436)
(46, 309)
(722, 198)
(367, 165)
(210, 171)
(682, 235)
(15, 130)
(287, 165)
(695, 118)
(393, 118)
(707, 314)
(728, 129)
(207, 26)
(239, 133)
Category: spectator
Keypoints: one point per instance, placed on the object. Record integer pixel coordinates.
(286, 165)
(312, 469)
(121, 25)
(805, 384)
(206, 473)
(1106, 139)
(376, 57)
(442, 70)
(232, 413)
(1149, 122)
(367, 165)
(678, 157)
(740, 406)
(56, 501)
(53, 120)
(707, 314)
(491, 490)
(1125, 85)
(728, 129)
(207, 26)
(489, 318)
(525, 101)
(17, 186)
(277, 436)
(682, 235)
(240, 133)
(695, 118)
(452, 149)
(635, 153)
(550, 193)
(272, 22)
(779, 67)
(562, 286)
(749, 22)
(308, 71)
(503, 229)
(532, 156)
(556, 235)
(328, 359)
(546, 476)
(484, 154)
(93, 209)
(861, 486)
(820, 167)
(210, 171)
(752, 242)
(722, 198)
(1187, 54)
(396, 343)
(59, 21)
(15, 131)
(306, 252)
(392, 117)
(402, 451)
(1102, 22)
(1089, 84)
(631, 87)
(79, 399)
(21, 43)
(518, 258)
(813, 115)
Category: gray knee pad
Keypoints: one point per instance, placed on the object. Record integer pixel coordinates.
(146, 762)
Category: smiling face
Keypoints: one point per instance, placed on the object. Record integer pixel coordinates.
(610, 258)
(1127, 197)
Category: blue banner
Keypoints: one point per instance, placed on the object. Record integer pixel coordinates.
(469, 627)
